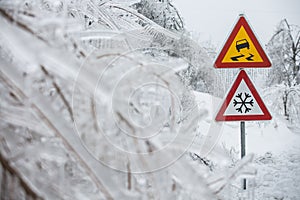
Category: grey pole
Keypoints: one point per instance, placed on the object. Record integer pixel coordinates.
(243, 150)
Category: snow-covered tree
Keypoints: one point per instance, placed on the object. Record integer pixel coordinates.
(91, 110)
(198, 75)
(284, 51)
(161, 12)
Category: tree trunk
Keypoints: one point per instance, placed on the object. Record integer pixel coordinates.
(285, 109)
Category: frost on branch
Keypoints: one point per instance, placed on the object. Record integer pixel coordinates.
(90, 109)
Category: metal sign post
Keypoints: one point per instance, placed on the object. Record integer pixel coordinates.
(243, 149)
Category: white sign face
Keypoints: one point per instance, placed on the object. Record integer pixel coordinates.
(243, 102)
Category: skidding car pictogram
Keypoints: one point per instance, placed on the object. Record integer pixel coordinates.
(241, 44)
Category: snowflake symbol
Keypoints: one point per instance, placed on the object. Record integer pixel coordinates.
(246, 103)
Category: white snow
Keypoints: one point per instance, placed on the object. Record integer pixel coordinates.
(92, 108)
(275, 147)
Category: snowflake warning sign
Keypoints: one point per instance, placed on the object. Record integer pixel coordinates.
(243, 102)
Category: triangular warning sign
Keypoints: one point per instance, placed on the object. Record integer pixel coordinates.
(243, 102)
(242, 49)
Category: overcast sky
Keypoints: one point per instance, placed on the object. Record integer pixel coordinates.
(214, 19)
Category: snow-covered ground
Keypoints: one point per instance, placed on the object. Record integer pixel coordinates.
(84, 86)
(275, 147)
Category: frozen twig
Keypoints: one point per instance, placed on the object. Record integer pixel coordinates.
(128, 177)
(94, 115)
(14, 172)
(21, 25)
(224, 181)
(44, 117)
(59, 92)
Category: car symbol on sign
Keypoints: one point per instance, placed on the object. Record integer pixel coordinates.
(241, 44)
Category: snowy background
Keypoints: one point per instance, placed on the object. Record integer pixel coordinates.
(117, 100)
